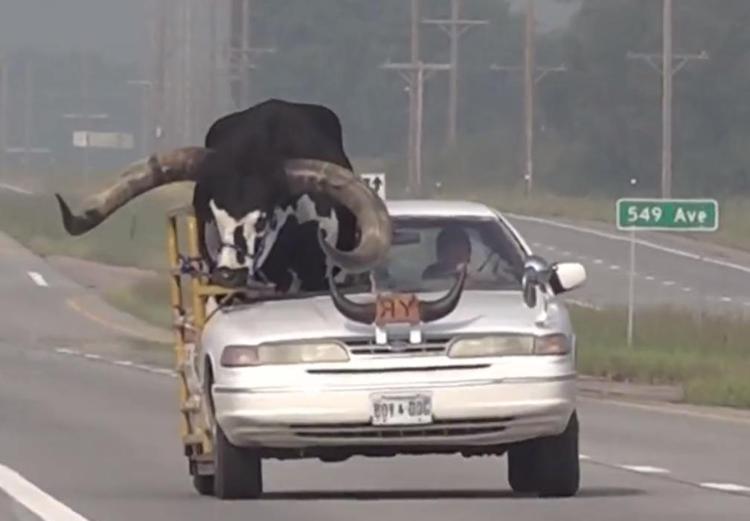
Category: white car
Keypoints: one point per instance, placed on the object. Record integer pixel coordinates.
(298, 377)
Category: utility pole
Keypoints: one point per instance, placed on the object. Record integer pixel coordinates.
(415, 76)
(188, 78)
(415, 73)
(532, 74)
(455, 27)
(667, 65)
(28, 113)
(242, 54)
(4, 112)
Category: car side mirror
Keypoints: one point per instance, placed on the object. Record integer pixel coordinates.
(536, 272)
(567, 276)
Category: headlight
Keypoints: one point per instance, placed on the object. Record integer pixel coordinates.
(510, 345)
(278, 354)
(552, 345)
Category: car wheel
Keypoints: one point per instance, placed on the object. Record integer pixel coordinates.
(556, 461)
(521, 471)
(204, 485)
(238, 472)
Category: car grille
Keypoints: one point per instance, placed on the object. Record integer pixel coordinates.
(444, 428)
(431, 347)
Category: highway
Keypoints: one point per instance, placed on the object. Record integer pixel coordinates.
(89, 431)
(670, 270)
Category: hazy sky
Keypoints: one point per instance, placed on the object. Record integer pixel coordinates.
(114, 27)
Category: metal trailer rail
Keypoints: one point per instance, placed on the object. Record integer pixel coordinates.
(190, 291)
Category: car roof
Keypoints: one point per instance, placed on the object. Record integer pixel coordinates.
(438, 208)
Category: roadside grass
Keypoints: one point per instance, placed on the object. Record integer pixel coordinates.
(733, 232)
(708, 355)
(133, 236)
(147, 300)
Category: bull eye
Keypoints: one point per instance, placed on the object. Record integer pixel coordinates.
(260, 224)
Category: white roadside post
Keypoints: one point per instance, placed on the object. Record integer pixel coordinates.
(631, 281)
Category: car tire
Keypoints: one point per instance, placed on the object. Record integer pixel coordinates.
(547, 466)
(204, 485)
(238, 470)
(557, 463)
(521, 471)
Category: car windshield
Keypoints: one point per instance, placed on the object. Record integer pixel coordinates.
(426, 251)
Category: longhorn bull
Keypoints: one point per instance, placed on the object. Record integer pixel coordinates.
(275, 186)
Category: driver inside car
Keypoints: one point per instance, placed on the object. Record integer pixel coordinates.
(453, 249)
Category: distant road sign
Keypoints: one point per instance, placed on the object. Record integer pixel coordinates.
(83, 139)
(686, 215)
(376, 182)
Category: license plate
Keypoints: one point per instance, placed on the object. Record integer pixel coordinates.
(401, 410)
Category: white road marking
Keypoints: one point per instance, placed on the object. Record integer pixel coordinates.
(16, 189)
(584, 457)
(668, 283)
(687, 289)
(726, 299)
(645, 469)
(121, 363)
(725, 487)
(598, 261)
(583, 304)
(536, 244)
(614, 267)
(650, 277)
(65, 351)
(38, 279)
(648, 244)
(35, 499)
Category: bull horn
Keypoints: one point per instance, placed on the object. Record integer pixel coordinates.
(363, 313)
(183, 164)
(444, 306)
(429, 311)
(339, 183)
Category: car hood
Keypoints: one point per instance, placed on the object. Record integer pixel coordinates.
(316, 317)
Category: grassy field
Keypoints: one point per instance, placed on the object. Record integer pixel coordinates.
(734, 226)
(708, 356)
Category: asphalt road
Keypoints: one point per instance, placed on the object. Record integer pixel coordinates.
(669, 270)
(89, 431)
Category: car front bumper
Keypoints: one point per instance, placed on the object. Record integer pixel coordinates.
(465, 413)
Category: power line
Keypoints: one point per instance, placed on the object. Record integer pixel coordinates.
(667, 64)
(455, 27)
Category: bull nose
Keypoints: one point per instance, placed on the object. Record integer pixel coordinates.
(229, 277)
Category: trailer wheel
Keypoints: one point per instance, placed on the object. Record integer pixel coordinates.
(238, 470)
(204, 485)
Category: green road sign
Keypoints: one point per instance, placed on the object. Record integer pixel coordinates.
(677, 215)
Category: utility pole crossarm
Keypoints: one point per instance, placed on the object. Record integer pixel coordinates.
(541, 71)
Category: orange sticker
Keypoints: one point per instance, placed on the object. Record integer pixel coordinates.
(397, 309)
